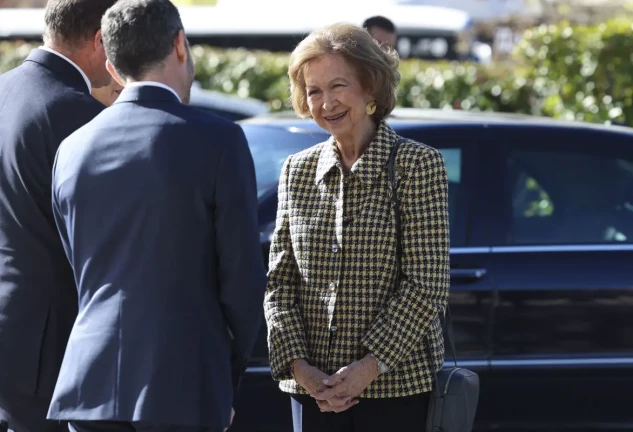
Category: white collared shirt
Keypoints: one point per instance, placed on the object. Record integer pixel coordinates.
(155, 84)
(72, 63)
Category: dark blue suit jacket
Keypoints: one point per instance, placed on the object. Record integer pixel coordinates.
(42, 101)
(156, 204)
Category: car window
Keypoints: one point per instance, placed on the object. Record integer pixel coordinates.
(271, 146)
(570, 198)
(453, 162)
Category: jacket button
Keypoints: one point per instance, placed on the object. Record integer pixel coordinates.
(332, 286)
(334, 248)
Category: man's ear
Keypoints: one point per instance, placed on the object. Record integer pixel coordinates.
(98, 41)
(114, 73)
(180, 46)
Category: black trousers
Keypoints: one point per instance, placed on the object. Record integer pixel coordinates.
(115, 426)
(396, 414)
(21, 413)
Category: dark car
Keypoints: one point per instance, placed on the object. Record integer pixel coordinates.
(541, 216)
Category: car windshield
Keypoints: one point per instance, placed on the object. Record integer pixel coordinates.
(270, 146)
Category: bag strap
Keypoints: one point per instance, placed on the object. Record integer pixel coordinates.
(395, 205)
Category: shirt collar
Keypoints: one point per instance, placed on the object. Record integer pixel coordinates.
(155, 84)
(371, 163)
(85, 77)
(328, 159)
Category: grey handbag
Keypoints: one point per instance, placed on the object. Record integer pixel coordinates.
(453, 401)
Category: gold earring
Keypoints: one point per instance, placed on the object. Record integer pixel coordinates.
(371, 108)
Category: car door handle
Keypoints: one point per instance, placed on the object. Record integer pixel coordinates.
(474, 273)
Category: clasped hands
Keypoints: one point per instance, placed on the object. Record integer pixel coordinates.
(339, 392)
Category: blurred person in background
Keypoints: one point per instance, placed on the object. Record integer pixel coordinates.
(107, 95)
(43, 100)
(347, 340)
(383, 30)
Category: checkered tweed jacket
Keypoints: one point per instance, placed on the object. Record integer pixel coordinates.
(331, 297)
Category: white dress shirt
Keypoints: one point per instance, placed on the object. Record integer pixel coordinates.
(155, 84)
(72, 63)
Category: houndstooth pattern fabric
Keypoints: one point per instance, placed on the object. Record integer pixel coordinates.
(331, 297)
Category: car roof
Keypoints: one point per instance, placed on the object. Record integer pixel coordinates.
(420, 117)
(211, 99)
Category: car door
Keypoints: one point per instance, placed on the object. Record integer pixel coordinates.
(562, 349)
(467, 163)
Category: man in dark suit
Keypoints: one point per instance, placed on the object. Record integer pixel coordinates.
(41, 102)
(156, 204)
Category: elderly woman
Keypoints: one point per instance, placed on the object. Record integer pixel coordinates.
(356, 352)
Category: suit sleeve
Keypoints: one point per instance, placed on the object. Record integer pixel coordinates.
(242, 275)
(423, 291)
(286, 337)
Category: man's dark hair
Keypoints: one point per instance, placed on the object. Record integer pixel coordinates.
(71, 21)
(380, 22)
(138, 35)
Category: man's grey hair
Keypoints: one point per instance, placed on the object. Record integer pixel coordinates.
(138, 35)
(70, 22)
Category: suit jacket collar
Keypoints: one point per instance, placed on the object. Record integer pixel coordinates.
(62, 69)
(371, 163)
(146, 93)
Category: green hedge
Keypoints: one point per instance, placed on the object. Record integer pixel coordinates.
(263, 76)
(574, 72)
(581, 72)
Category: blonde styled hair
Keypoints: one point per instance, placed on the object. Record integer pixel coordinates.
(376, 67)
